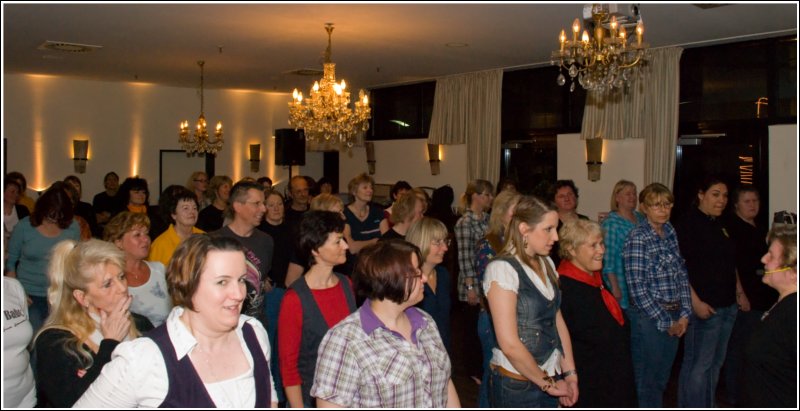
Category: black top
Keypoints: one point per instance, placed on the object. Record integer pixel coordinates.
(210, 219)
(770, 361)
(751, 245)
(601, 348)
(391, 234)
(86, 211)
(710, 256)
(283, 251)
(291, 216)
(103, 202)
(61, 378)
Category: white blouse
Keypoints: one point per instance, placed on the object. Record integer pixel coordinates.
(505, 276)
(137, 374)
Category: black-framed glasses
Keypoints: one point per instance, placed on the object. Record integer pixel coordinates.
(662, 205)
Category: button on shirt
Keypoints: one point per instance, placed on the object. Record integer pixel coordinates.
(656, 273)
(364, 364)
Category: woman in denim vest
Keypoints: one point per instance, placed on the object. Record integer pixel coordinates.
(533, 364)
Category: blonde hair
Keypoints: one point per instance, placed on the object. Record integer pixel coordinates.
(654, 191)
(423, 195)
(404, 207)
(574, 234)
(423, 232)
(786, 235)
(531, 211)
(357, 181)
(190, 181)
(122, 223)
(326, 202)
(500, 206)
(214, 184)
(621, 185)
(474, 187)
(73, 266)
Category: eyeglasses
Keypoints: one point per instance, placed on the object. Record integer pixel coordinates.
(440, 243)
(662, 205)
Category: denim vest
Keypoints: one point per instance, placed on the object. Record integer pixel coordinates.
(314, 330)
(536, 315)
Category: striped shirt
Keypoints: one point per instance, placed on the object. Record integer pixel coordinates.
(616, 229)
(656, 273)
(363, 364)
(469, 230)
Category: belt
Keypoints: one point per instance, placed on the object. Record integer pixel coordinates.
(671, 306)
(509, 374)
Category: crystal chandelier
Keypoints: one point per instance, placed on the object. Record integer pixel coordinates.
(325, 114)
(200, 142)
(603, 63)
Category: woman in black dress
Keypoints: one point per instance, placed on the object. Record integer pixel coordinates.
(599, 330)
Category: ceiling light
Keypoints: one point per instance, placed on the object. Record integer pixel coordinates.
(200, 142)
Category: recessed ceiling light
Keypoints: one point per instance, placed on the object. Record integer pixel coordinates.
(456, 45)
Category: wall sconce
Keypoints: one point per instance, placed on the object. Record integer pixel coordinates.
(433, 157)
(370, 147)
(255, 157)
(594, 157)
(80, 154)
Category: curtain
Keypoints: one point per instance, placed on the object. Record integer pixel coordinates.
(647, 109)
(466, 110)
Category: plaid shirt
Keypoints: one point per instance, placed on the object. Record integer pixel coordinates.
(469, 230)
(363, 364)
(616, 230)
(656, 273)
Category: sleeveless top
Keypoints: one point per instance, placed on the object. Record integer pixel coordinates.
(314, 330)
(186, 389)
(536, 315)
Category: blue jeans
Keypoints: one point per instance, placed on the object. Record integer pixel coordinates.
(38, 312)
(488, 341)
(510, 393)
(732, 370)
(705, 347)
(653, 353)
(272, 306)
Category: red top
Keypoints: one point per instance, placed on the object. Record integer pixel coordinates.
(333, 305)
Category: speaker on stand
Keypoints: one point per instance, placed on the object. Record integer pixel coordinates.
(290, 148)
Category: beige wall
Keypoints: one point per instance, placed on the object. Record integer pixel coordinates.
(407, 160)
(127, 124)
(782, 169)
(622, 159)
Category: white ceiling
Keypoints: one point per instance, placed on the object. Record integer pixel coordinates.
(373, 44)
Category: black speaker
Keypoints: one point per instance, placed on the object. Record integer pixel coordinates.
(290, 147)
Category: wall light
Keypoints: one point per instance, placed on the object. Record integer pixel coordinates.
(80, 154)
(433, 157)
(255, 157)
(594, 157)
(370, 147)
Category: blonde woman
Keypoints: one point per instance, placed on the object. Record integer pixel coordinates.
(365, 222)
(198, 184)
(620, 221)
(89, 317)
(408, 209)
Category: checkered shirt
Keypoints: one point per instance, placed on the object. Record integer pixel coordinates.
(616, 230)
(469, 230)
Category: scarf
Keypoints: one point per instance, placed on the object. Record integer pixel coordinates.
(568, 269)
(137, 208)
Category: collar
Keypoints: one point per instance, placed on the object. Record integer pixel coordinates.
(182, 339)
(370, 322)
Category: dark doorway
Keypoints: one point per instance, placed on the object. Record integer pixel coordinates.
(531, 163)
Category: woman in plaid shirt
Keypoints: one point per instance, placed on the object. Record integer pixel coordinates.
(659, 295)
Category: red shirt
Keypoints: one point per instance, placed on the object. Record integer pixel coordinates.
(333, 305)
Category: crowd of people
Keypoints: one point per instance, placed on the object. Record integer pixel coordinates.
(236, 295)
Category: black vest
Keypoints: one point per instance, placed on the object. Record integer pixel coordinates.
(314, 330)
(536, 315)
(186, 389)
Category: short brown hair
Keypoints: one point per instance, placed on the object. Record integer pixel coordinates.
(358, 180)
(122, 223)
(384, 270)
(188, 262)
(404, 207)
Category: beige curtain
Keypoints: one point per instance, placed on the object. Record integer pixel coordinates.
(466, 110)
(648, 109)
(660, 116)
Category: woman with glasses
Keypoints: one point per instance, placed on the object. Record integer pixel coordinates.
(198, 184)
(388, 354)
(717, 294)
(486, 249)
(430, 236)
(314, 303)
(660, 299)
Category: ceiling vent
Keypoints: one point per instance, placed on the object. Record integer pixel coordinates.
(68, 47)
(305, 72)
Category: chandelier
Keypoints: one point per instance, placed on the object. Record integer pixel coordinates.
(200, 142)
(603, 63)
(325, 114)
